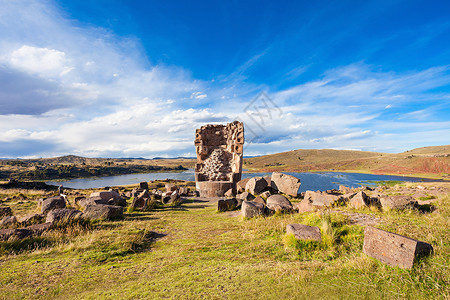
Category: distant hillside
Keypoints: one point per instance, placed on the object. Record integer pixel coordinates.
(427, 161)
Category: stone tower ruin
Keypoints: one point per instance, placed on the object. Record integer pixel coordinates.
(219, 151)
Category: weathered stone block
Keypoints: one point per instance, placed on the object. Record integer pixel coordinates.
(304, 232)
(279, 203)
(52, 203)
(62, 214)
(256, 185)
(286, 184)
(393, 249)
(143, 185)
(103, 212)
(227, 204)
(398, 202)
(240, 186)
(320, 199)
(252, 209)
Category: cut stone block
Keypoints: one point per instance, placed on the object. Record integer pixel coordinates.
(252, 209)
(393, 249)
(304, 232)
(227, 204)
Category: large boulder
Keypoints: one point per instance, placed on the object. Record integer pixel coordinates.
(345, 189)
(230, 193)
(111, 197)
(183, 191)
(266, 194)
(227, 204)
(8, 221)
(397, 202)
(279, 203)
(322, 199)
(143, 185)
(170, 187)
(304, 232)
(305, 206)
(256, 185)
(83, 202)
(103, 212)
(5, 211)
(240, 185)
(360, 200)
(104, 195)
(38, 229)
(260, 199)
(31, 219)
(52, 203)
(6, 234)
(62, 215)
(286, 184)
(252, 209)
(245, 196)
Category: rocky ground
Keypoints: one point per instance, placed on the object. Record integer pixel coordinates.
(159, 239)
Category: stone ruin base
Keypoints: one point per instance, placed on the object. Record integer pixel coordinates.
(213, 188)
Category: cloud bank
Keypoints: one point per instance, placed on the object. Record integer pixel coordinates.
(69, 88)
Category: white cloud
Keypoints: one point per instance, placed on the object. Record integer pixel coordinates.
(67, 88)
(41, 61)
(198, 95)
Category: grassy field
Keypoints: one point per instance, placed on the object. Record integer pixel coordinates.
(193, 252)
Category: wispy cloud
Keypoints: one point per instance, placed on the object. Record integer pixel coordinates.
(70, 88)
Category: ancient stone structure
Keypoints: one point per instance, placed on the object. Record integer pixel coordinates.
(219, 158)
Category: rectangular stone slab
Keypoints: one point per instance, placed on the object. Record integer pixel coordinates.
(393, 249)
(304, 232)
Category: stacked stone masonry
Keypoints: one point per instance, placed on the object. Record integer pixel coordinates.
(219, 151)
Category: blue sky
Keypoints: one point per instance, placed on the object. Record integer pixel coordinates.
(135, 78)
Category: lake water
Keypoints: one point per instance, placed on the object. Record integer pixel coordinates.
(310, 181)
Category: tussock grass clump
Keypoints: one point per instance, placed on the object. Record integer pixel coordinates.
(338, 238)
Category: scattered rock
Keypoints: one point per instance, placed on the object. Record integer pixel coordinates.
(227, 204)
(38, 229)
(393, 249)
(52, 203)
(266, 194)
(7, 234)
(103, 212)
(31, 219)
(170, 187)
(398, 202)
(322, 199)
(62, 214)
(286, 184)
(143, 185)
(183, 191)
(360, 200)
(8, 221)
(345, 189)
(279, 203)
(5, 211)
(229, 194)
(240, 185)
(245, 196)
(305, 206)
(260, 199)
(252, 209)
(256, 185)
(304, 232)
